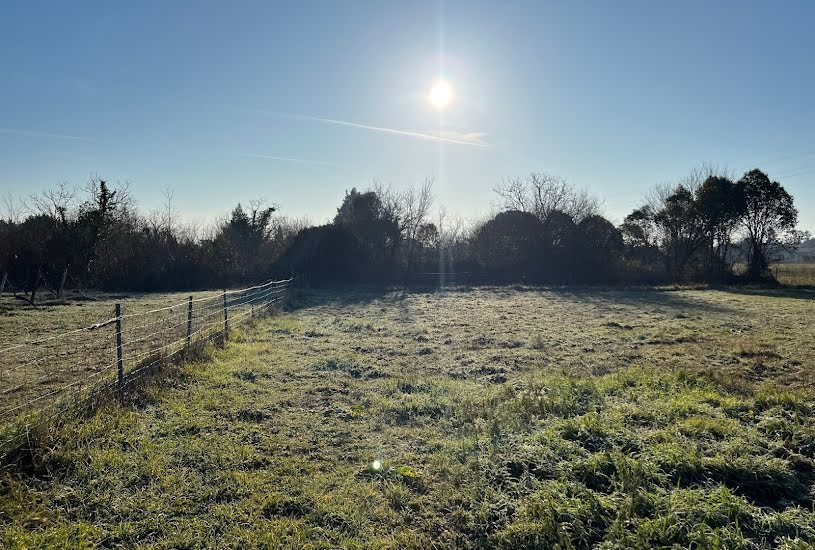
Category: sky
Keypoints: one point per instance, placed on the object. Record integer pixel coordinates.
(297, 102)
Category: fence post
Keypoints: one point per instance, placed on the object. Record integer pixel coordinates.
(3, 283)
(120, 374)
(62, 282)
(226, 320)
(36, 284)
(189, 322)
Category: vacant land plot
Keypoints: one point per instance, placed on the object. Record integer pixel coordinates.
(493, 417)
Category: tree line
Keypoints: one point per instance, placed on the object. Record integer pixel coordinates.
(709, 227)
(103, 241)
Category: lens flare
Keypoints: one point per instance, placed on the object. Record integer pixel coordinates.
(440, 95)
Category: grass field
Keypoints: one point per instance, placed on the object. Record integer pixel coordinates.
(42, 351)
(68, 348)
(795, 274)
(19, 321)
(503, 418)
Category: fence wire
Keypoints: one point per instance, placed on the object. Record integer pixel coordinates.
(48, 377)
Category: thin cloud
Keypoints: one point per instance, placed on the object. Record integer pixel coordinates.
(287, 159)
(28, 133)
(471, 138)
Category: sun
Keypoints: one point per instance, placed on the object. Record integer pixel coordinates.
(441, 95)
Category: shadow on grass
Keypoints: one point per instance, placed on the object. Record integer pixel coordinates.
(674, 300)
(796, 292)
(640, 297)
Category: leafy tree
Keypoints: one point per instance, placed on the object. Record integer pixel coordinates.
(328, 253)
(426, 245)
(600, 247)
(670, 223)
(560, 244)
(375, 225)
(769, 220)
(638, 229)
(600, 234)
(683, 232)
(721, 206)
(510, 245)
(102, 229)
(241, 239)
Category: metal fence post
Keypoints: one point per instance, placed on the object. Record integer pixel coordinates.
(189, 322)
(120, 375)
(226, 320)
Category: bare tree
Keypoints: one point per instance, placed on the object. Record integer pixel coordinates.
(514, 194)
(392, 202)
(189, 232)
(451, 230)
(416, 205)
(162, 221)
(127, 201)
(541, 194)
(694, 180)
(285, 229)
(12, 209)
(170, 213)
(54, 203)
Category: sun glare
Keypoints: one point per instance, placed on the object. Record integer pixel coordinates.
(441, 94)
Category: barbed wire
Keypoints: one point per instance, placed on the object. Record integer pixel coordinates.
(51, 375)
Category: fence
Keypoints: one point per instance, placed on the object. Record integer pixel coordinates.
(29, 291)
(48, 377)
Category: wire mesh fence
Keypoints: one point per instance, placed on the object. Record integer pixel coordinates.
(45, 378)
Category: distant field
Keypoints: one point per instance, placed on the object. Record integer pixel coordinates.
(504, 418)
(789, 274)
(795, 274)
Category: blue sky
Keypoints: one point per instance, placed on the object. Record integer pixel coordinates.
(226, 102)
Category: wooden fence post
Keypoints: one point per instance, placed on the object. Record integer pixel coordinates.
(36, 284)
(62, 283)
(189, 322)
(120, 374)
(3, 283)
(226, 320)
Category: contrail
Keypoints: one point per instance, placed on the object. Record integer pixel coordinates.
(28, 133)
(287, 159)
(471, 139)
